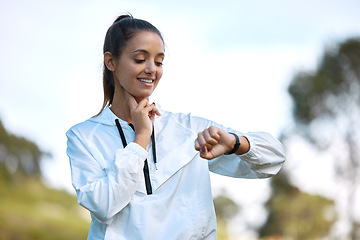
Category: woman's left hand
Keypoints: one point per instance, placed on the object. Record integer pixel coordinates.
(214, 142)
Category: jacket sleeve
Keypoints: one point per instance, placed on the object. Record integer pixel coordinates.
(104, 192)
(264, 159)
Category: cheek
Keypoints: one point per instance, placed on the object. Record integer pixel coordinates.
(127, 74)
(159, 73)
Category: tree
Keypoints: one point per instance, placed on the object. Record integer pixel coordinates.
(296, 215)
(18, 154)
(225, 209)
(326, 111)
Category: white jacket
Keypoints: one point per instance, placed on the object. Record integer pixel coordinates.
(109, 179)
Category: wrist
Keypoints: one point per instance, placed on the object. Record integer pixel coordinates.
(236, 145)
(142, 140)
(244, 146)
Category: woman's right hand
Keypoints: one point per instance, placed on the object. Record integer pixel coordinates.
(142, 116)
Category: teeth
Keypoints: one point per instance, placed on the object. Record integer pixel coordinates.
(146, 80)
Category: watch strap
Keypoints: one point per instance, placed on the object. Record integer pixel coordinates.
(236, 146)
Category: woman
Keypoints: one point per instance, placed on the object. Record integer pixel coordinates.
(143, 172)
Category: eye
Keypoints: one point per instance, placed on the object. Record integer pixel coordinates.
(139, 60)
(159, 64)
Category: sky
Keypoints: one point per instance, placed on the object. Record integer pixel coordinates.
(229, 61)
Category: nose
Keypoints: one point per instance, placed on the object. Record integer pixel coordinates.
(150, 68)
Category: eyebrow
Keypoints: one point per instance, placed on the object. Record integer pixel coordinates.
(147, 52)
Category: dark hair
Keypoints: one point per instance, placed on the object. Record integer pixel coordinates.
(116, 39)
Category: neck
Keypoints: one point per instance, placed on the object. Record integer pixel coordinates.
(120, 107)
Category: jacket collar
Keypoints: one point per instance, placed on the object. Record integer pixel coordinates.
(107, 117)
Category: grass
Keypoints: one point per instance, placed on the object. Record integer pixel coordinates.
(30, 210)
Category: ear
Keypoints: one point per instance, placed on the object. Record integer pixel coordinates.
(109, 61)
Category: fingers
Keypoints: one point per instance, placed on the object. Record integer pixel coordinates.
(209, 137)
(197, 145)
(142, 114)
(144, 105)
(206, 141)
(151, 110)
(155, 110)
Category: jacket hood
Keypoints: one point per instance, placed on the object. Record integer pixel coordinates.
(106, 117)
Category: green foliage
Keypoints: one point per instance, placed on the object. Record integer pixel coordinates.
(296, 215)
(225, 209)
(326, 102)
(29, 210)
(327, 112)
(19, 154)
(332, 87)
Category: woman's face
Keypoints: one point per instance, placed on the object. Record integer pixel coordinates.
(139, 68)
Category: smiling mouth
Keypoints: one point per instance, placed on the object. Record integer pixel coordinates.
(145, 80)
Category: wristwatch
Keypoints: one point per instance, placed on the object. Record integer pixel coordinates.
(236, 146)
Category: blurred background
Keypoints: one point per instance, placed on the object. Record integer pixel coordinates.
(294, 66)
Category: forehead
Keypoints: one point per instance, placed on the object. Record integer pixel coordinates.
(146, 40)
